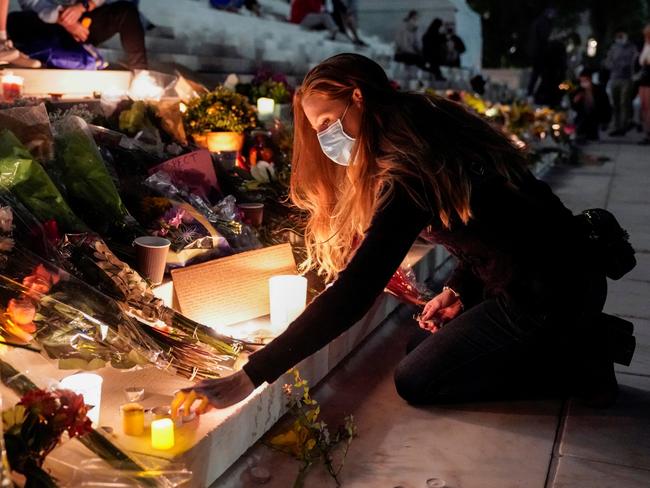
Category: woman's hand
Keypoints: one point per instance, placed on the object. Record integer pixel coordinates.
(218, 393)
(441, 309)
(71, 15)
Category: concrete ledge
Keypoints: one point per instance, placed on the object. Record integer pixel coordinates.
(211, 444)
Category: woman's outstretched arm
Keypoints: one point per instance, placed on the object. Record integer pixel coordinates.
(388, 239)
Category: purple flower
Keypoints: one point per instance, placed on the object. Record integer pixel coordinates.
(174, 216)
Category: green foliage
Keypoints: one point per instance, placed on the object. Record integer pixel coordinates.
(221, 110)
(276, 90)
(309, 439)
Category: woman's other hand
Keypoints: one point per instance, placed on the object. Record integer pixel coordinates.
(439, 310)
(218, 393)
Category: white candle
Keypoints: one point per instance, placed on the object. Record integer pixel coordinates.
(162, 434)
(144, 87)
(288, 296)
(265, 108)
(90, 386)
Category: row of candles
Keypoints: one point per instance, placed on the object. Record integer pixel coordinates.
(133, 414)
(142, 87)
(288, 295)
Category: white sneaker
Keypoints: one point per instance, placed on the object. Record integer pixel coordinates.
(8, 52)
(24, 61)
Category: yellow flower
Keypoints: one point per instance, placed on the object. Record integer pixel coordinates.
(13, 416)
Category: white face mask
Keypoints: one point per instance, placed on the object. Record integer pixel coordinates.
(335, 143)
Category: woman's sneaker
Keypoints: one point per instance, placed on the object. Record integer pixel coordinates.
(24, 61)
(16, 58)
(8, 53)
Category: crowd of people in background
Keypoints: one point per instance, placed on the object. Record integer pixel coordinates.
(65, 33)
(438, 46)
(338, 17)
(605, 93)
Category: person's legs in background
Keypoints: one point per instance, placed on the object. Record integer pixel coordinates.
(8, 53)
(313, 21)
(644, 95)
(627, 97)
(617, 107)
(123, 18)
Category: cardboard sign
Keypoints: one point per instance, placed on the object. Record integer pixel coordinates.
(233, 289)
(194, 170)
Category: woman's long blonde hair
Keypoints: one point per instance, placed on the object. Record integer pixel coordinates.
(402, 135)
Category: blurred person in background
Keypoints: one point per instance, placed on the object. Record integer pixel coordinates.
(644, 85)
(408, 45)
(620, 62)
(8, 52)
(345, 19)
(434, 47)
(592, 108)
(311, 15)
(454, 46)
(44, 20)
(235, 5)
(540, 33)
(553, 71)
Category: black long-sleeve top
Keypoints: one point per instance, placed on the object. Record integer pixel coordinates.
(519, 243)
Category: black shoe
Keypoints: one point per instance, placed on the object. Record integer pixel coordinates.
(644, 142)
(601, 388)
(617, 132)
(609, 240)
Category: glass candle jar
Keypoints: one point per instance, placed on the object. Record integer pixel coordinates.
(132, 419)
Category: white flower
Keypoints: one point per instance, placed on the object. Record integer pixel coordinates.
(6, 219)
(263, 172)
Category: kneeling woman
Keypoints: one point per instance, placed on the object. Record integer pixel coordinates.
(374, 167)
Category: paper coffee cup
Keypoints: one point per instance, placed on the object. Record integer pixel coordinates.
(253, 213)
(151, 257)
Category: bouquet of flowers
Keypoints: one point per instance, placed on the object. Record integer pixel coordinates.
(88, 184)
(224, 216)
(221, 110)
(96, 442)
(34, 427)
(270, 85)
(406, 288)
(82, 328)
(28, 181)
(193, 238)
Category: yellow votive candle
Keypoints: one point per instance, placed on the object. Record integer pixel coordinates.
(132, 419)
(162, 434)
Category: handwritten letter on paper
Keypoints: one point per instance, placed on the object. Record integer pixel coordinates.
(231, 289)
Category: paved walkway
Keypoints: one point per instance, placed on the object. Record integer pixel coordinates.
(536, 444)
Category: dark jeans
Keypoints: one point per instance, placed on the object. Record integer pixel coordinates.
(497, 350)
(116, 18)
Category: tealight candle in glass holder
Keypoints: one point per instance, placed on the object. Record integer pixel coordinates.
(132, 419)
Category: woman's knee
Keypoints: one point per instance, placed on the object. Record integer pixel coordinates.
(125, 8)
(412, 386)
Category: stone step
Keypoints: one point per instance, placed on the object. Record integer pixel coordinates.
(72, 83)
